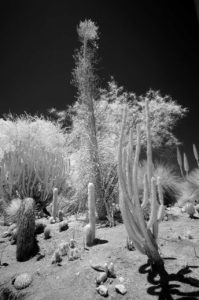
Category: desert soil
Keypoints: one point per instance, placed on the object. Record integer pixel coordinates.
(75, 280)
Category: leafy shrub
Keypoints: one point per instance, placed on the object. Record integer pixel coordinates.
(32, 158)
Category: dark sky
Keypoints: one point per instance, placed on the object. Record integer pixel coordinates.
(150, 44)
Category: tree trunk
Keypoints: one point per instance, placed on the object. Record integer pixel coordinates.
(92, 138)
(95, 162)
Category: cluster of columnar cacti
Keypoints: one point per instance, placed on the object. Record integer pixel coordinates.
(26, 244)
(142, 234)
(90, 228)
(183, 163)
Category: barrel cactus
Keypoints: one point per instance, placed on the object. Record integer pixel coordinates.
(26, 244)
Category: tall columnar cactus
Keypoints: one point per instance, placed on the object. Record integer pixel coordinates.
(179, 160)
(149, 148)
(142, 234)
(26, 244)
(54, 203)
(90, 228)
(186, 164)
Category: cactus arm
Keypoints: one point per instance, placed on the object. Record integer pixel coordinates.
(195, 152)
(132, 228)
(148, 135)
(161, 209)
(152, 223)
(146, 192)
(160, 193)
(186, 164)
(154, 204)
(130, 159)
(179, 160)
(161, 212)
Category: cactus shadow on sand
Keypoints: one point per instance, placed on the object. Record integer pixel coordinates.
(99, 241)
(166, 286)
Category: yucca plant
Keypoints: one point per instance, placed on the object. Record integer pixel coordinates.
(143, 235)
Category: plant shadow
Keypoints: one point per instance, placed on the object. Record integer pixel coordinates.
(99, 241)
(194, 217)
(166, 290)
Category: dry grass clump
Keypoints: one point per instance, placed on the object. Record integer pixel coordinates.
(189, 188)
(32, 153)
(170, 181)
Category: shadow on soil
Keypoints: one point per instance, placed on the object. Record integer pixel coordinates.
(99, 241)
(167, 289)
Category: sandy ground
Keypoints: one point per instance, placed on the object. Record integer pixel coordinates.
(75, 280)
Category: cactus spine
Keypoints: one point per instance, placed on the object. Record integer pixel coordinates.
(90, 228)
(54, 204)
(138, 230)
(26, 244)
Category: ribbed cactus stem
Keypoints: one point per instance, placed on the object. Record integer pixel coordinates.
(179, 160)
(26, 245)
(55, 203)
(90, 228)
(148, 136)
(195, 152)
(160, 192)
(186, 164)
(154, 209)
(161, 209)
(146, 192)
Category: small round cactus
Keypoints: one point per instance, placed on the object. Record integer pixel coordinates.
(189, 209)
(47, 232)
(22, 281)
(63, 226)
(64, 248)
(52, 220)
(73, 243)
(56, 258)
(60, 215)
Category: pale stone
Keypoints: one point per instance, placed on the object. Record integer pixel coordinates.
(102, 290)
(120, 288)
